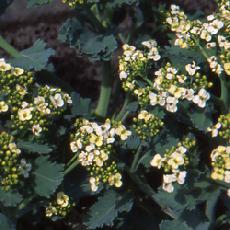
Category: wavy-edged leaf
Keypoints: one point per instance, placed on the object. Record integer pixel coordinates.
(10, 198)
(34, 147)
(174, 225)
(107, 208)
(33, 3)
(48, 176)
(33, 58)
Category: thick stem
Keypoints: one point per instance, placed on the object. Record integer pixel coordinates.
(225, 96)
(123, 110)
(106, 90)
(134, 165)
(71, 167)
(8, 48)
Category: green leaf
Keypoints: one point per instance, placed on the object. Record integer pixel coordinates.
(119, 3)
(10, 198)
(180, 57)
(106, 209)
(34, 147)
(33, 3)
(5, 223)
(33, 58)
(173, 225)
(98, 47)
(48, 176)
(4, 4)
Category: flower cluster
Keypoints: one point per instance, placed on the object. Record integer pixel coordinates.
(134, 64)
(59, 207)
(173, 163)
(38, 114)
(9, 161)
(170, 86)
(32, 107)
(221, 128)
(94, 144)
(220, 158)
(147, 125)
(74, 3)
(15, 85)
(211, 33)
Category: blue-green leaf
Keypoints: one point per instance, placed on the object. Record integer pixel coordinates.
(106, 209)
(48, 176)
(10, 198)
(33, 58)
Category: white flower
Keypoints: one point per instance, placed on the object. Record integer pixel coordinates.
(215, 26)
(73, 146)
(201, 98)
(3, 107)
(189, 94)
(25, 114)
(180, 177)
(123, 75)
(122, 132)
(168, 187)
(94, 184)
(210, 17)
(4, 66)
(36, 129)
(191, 68)
(57, 100)
(156, 161)
(17, 71)
(67, 98)
(171, 104)
(176, 160)
(169, 178)
(153, 98)
(205, 35)
(144, 115)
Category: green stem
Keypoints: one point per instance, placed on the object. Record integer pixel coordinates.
(106, 90)
(71, 167)
(134, 165)
(225, 96)
(123, 110)
(8, 48)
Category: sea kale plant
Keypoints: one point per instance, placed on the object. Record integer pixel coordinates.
(153, 152)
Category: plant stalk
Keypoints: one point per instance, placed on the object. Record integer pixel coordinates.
(8, 48)
(106, 90)
(71, 167)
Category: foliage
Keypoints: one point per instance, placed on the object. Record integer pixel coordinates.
(159, 161)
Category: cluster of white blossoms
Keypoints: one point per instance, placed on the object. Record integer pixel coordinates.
(94, 144)
(38, 114)
(173, 164)
(211, 33)
(133, 62)
(59, 207)
(220, 158)
(30, 106)
(170, 86)
(221, 128)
